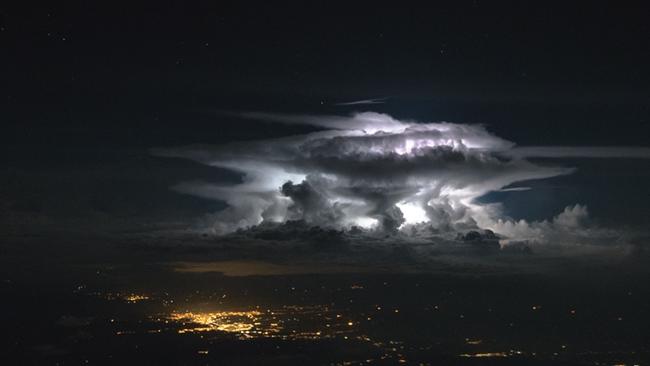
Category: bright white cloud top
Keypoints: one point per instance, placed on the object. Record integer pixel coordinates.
(379, 173)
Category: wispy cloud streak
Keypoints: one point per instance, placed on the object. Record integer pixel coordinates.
(364, 102)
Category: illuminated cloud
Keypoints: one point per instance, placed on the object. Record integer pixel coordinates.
(381, 174)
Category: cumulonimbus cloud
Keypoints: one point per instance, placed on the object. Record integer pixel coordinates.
(373, 171)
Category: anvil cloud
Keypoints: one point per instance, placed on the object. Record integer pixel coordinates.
(378, 173)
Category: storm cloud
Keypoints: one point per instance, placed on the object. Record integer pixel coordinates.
(383, 176)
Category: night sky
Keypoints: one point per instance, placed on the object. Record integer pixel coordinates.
(247, 141)
(92, 83)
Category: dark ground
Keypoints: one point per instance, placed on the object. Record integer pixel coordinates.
(72, 307)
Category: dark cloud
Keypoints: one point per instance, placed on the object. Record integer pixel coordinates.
(309, 204)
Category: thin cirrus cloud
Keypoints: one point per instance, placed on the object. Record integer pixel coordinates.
(364, 102)
(581, 152)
